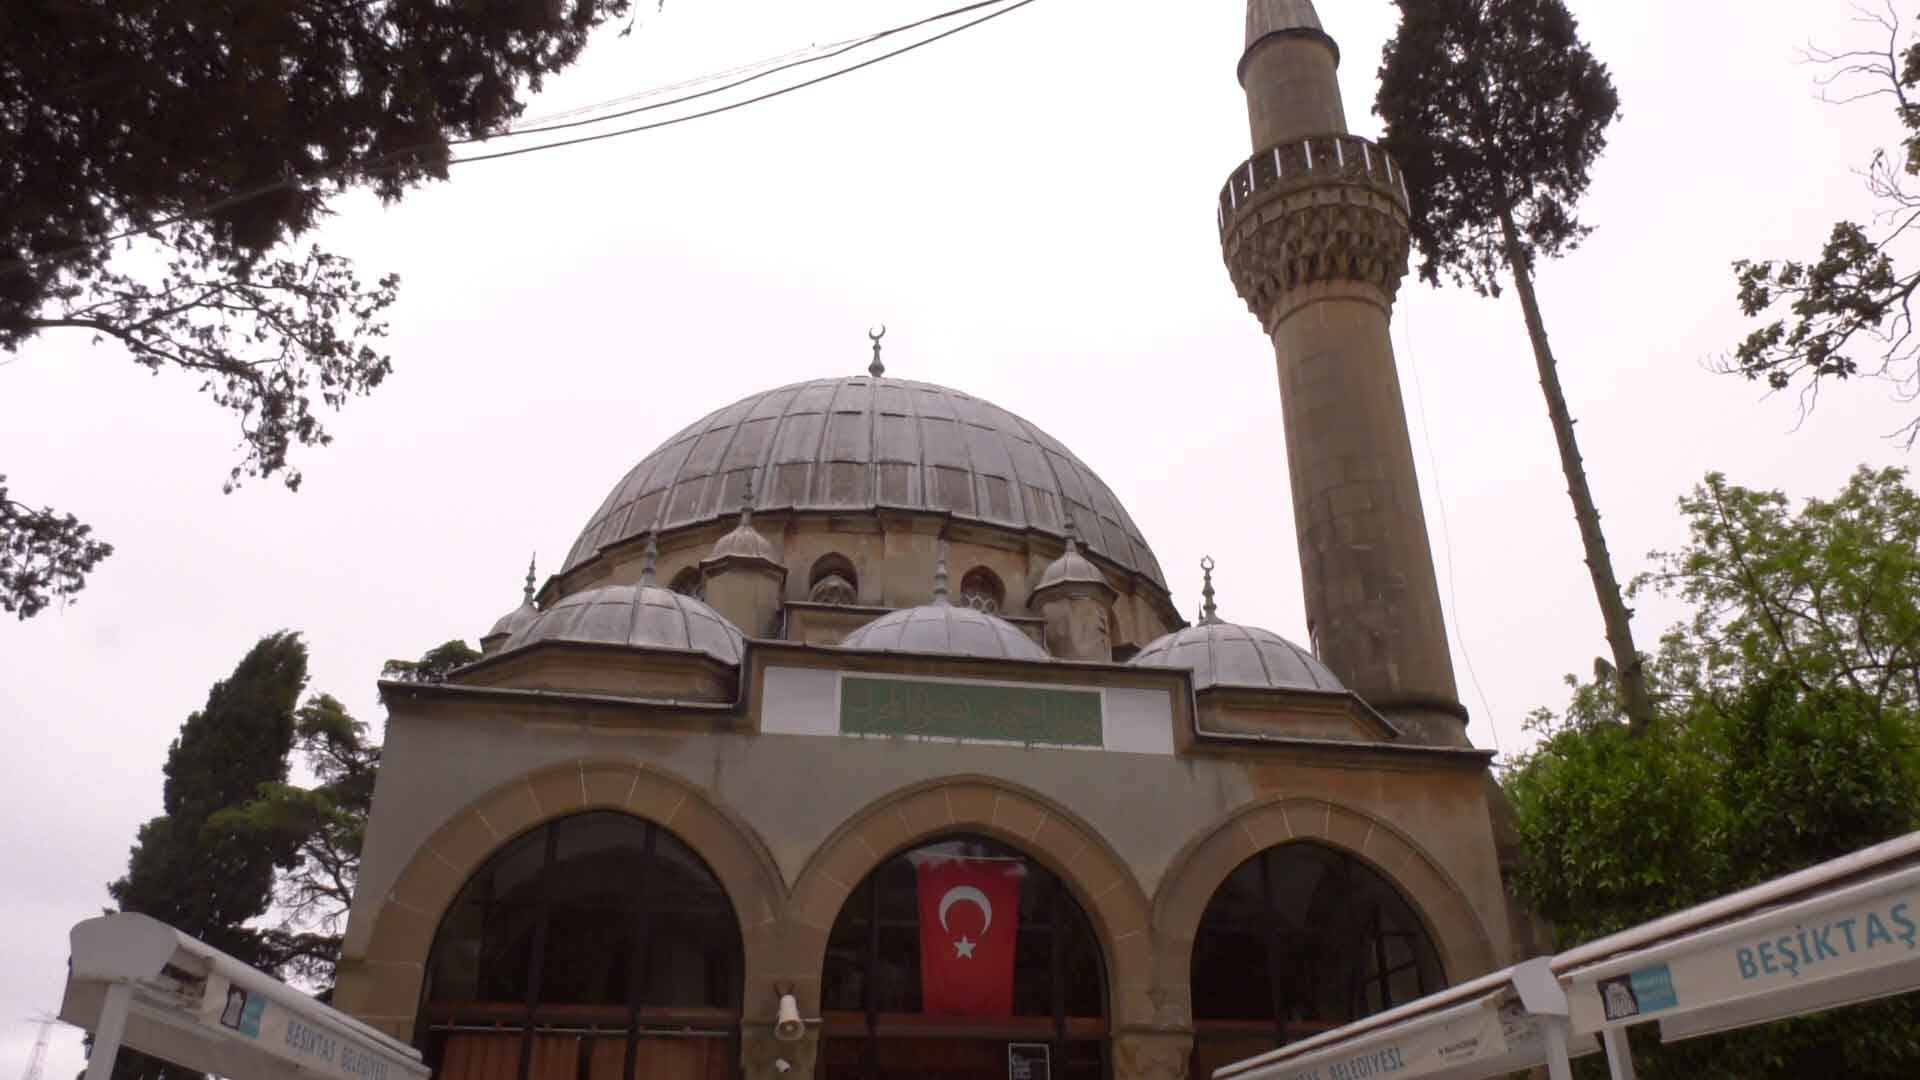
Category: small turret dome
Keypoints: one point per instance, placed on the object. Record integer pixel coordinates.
(1072, 567)
(745, 541)
(940, 627)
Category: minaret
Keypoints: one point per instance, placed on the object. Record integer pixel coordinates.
(1314, 228)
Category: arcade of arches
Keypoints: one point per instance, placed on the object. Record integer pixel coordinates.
(601, 946)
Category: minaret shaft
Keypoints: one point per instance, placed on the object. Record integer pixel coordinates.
(1314, 229)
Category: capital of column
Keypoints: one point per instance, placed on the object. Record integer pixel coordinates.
(1321, 217)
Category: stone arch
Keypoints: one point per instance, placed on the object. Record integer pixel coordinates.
(1196, 873)
(1048, 832)
(383, 985)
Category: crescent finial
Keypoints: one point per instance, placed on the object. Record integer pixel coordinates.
(877, 369)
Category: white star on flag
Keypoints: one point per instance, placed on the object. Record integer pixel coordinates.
(963, 949)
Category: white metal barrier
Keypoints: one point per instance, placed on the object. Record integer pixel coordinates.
(1841, 933)
(137, 982)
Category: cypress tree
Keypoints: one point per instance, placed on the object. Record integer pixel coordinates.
(207, 881)
(1496, 111)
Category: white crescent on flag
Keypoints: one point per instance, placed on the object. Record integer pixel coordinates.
(966, 894)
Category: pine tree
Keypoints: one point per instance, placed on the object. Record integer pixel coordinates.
(1496, 111)
(206, 881)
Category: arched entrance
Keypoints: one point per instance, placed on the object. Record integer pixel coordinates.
(593, 947)
(958, 959)
(1299, 939)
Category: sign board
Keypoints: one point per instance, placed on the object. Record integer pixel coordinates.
(972, 711)
(1029, 1061)
(1783, 952)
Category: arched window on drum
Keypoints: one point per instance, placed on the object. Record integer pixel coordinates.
(1298, 940)
(981, 590)
(596, 947)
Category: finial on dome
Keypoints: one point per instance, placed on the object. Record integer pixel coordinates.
(1074, 542)
(1209, 614)
(652, 563)
(877, 369)
(940, 577)
(746, 504)
(527, 593)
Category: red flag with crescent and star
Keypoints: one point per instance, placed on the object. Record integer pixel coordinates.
(969, 915)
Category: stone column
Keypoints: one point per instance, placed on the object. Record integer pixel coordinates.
(1159, 1055)
(1315, 234)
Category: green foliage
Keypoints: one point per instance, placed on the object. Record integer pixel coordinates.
(435, 666)
(1825, 596)
(321, 829)
(1786, 736)
(214, 133)
(1492, 107)
(44, 556)
(184, 870)
(1847, 313)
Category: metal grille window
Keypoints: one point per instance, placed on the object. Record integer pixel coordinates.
(871, 993)
(1298, 940)
(596, 947)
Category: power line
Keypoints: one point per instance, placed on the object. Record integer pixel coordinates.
(815, 81)
(390, 161)
(826, 53)
(1446, 532)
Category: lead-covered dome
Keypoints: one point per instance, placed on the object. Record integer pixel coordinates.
(862, 443)
(1224, 654)
(643, 616)
(942, 627)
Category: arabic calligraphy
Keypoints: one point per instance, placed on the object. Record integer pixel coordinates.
(967, 711)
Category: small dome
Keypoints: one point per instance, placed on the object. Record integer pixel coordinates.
(516, 620)
(745, 541)
(643, 616)
(1072, 567)
(1223, 654)
(941, 627)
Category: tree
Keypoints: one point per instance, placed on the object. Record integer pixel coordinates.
(321, 830)
(183, 870)
(1785, 736)
(438, 662)
(1496, 110)
(1848, 313)
(161, 156)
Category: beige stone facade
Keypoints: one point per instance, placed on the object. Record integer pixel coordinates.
(840, 625)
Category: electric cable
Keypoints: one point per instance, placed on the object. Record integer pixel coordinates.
(389, 162)
(1446, 532)
(815, 81)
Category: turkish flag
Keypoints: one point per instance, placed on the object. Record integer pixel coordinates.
(969, 914)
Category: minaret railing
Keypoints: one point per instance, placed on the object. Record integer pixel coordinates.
(1317, 159)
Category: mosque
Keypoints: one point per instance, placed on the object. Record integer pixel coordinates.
(859, 736)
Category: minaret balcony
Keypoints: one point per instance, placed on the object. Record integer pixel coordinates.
(1316, 161)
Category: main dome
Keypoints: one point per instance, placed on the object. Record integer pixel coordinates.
(860, 443)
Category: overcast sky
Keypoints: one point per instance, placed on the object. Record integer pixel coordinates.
(1029, 206)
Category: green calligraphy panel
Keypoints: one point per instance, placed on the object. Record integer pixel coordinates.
(940, 710)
